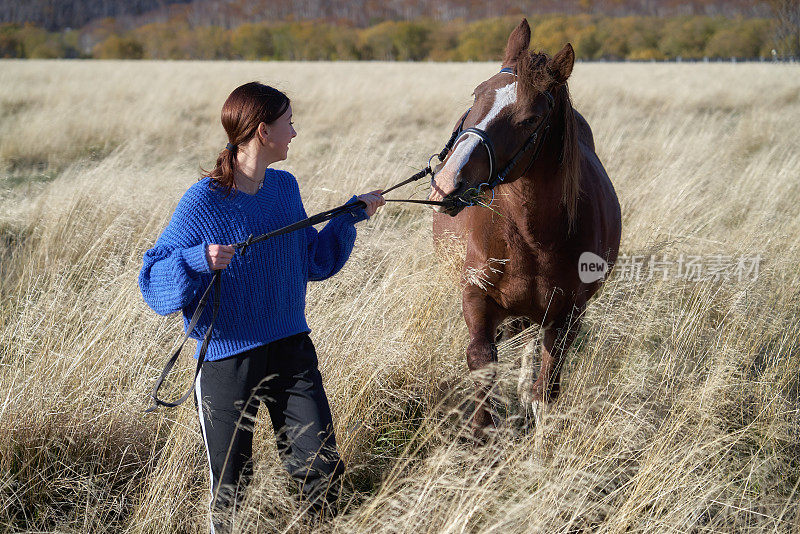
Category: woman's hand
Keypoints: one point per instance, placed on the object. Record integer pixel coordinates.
(373, 200)
(219, 256)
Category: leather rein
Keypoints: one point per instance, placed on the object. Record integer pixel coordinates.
(241, 247)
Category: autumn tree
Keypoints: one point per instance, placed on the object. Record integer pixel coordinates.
(743, 39)
(787, 26)
(252, 41)
(119, 47)
(687, 36)
(10, 43)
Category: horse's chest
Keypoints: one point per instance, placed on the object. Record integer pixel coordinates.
(517, 278)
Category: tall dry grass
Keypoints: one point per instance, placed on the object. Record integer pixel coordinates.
(680, 409)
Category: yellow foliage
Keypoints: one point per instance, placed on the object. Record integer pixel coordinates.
(646, 54)
(592, 36)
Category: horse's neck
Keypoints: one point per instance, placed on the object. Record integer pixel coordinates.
(534, 203)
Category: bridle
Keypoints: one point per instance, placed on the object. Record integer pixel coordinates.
(457, 201)
(495, 179)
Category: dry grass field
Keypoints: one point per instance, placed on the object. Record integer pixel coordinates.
(680, 411)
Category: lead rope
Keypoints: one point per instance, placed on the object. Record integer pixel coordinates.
(215, 281)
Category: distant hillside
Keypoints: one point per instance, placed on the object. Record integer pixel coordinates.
(56, 15)
(60, 14)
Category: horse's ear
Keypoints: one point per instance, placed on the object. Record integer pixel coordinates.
(560, 65)
(518, 42)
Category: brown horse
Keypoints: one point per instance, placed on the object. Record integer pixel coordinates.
(552, 206)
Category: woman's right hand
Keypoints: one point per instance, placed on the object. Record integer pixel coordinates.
(219, 256)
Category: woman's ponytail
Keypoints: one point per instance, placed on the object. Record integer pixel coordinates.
(222, 174)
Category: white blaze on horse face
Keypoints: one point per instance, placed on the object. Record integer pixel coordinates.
(444, 182)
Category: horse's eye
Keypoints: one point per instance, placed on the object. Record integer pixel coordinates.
(531, 120)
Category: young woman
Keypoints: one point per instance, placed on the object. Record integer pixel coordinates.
(260, 351)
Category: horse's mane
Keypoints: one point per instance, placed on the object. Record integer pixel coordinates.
(533, 79)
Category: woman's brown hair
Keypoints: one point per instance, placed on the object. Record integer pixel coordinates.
(247, 106)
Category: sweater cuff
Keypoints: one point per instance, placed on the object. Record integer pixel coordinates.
(359, 214)
(195, 258)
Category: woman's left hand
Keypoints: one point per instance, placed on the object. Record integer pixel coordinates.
(373, 200)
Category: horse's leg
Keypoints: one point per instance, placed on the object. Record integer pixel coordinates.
(482, 316)
(526, 372)
(556, 340)
(526, 376)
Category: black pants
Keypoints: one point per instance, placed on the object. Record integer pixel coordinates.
(283, 375)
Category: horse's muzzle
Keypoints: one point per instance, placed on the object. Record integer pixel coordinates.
(451, 205)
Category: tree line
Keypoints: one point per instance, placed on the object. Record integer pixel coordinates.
(593, 37)
(61, 14)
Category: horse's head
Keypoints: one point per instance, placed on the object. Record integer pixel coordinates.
(501, 134)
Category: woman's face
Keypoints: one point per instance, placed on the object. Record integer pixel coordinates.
(279, 134)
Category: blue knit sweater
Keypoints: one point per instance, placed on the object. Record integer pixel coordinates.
(264, 291)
